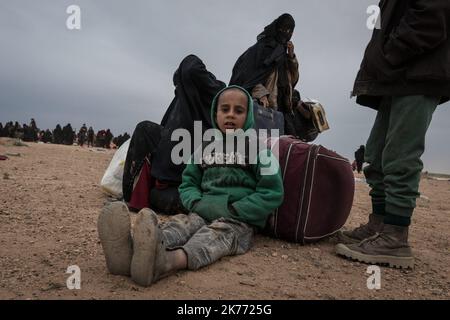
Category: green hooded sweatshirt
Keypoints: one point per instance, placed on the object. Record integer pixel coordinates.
(239, 192)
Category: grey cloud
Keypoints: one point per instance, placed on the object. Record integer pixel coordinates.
(117, 71)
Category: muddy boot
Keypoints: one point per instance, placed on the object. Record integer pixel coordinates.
(145, 234)
(114, 232)
(374, 226)
(390, 247)
(150, 260)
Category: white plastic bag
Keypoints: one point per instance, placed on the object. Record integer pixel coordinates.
(112, 179)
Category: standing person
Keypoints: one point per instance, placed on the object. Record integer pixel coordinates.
(90, 137)
(125, 138)
(58, 135)
(108, 139)
(41, 137)
(48, 136)
(405, 75)
(68, 135)
(228, 201)
(34, 130)
(27, 135)
(82, 135)
(359, 158)
(20, 131)
(269, 69)
(15, 130)
(100, 139)
(7, 131)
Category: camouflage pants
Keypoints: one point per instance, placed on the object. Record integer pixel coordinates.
(206, 243)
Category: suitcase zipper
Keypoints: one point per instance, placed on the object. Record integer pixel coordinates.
(310, 192)
(299, 213)
(311, 155)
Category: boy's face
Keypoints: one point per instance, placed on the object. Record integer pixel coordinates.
(231, 110)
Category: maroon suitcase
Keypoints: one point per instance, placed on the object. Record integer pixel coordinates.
(319, 187)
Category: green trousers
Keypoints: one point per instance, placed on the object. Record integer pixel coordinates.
(393, 152)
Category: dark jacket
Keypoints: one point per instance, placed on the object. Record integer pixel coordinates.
(409, 55)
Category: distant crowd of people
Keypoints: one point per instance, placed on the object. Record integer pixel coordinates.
(63, 135)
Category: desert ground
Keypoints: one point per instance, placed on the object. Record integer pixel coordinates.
(50, 199)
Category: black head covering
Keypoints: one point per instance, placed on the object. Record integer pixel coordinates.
(281, 29)
(256, 64)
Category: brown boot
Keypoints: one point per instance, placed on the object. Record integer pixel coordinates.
(389, 247)
(364, 231)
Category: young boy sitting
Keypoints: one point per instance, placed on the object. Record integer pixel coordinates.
(228, 201)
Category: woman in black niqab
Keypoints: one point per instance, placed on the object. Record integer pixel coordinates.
(195, 88)
(267, 55)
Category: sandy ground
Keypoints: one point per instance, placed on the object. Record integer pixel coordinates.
(50, 199)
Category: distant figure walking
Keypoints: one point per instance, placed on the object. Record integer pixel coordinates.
(108, 139)
(82, 135)
(90, 137)
(359, 158)
(68, 135)
(58, 135)
(33, 132)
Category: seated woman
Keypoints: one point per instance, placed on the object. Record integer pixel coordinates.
(149, 173)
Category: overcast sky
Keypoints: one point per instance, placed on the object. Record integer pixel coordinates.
(117, 70)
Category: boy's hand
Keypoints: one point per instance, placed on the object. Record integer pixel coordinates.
(290, 49)
(264, 101)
